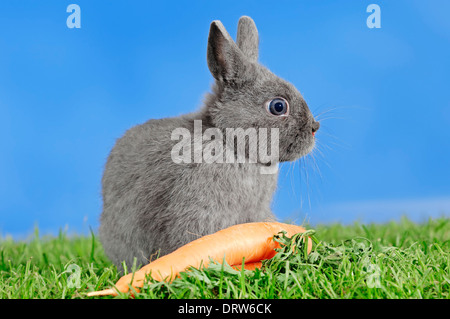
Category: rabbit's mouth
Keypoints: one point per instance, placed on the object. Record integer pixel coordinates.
(301, 146)
(303, 141)
(314, 127)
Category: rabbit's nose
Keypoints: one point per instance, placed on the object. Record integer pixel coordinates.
(314, 127)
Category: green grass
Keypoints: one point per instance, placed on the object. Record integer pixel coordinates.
(395, 260)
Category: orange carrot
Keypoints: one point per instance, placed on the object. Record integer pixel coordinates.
(252, 242)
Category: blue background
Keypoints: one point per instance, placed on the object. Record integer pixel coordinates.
(382, 95)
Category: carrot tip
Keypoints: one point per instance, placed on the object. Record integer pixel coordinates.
(106, 292)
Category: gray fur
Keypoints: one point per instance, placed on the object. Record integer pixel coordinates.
(247, 38)
(152, 204)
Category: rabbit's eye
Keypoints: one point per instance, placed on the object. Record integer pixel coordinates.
(278, 106)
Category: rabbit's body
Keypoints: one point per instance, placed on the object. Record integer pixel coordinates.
(151, 203)
(155, 204)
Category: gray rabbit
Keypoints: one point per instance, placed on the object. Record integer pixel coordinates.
(155, 203)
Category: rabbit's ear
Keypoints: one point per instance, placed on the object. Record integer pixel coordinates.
(225, 60)
(247, 38)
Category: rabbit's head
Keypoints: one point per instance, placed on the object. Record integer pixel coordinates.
(248, 95)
